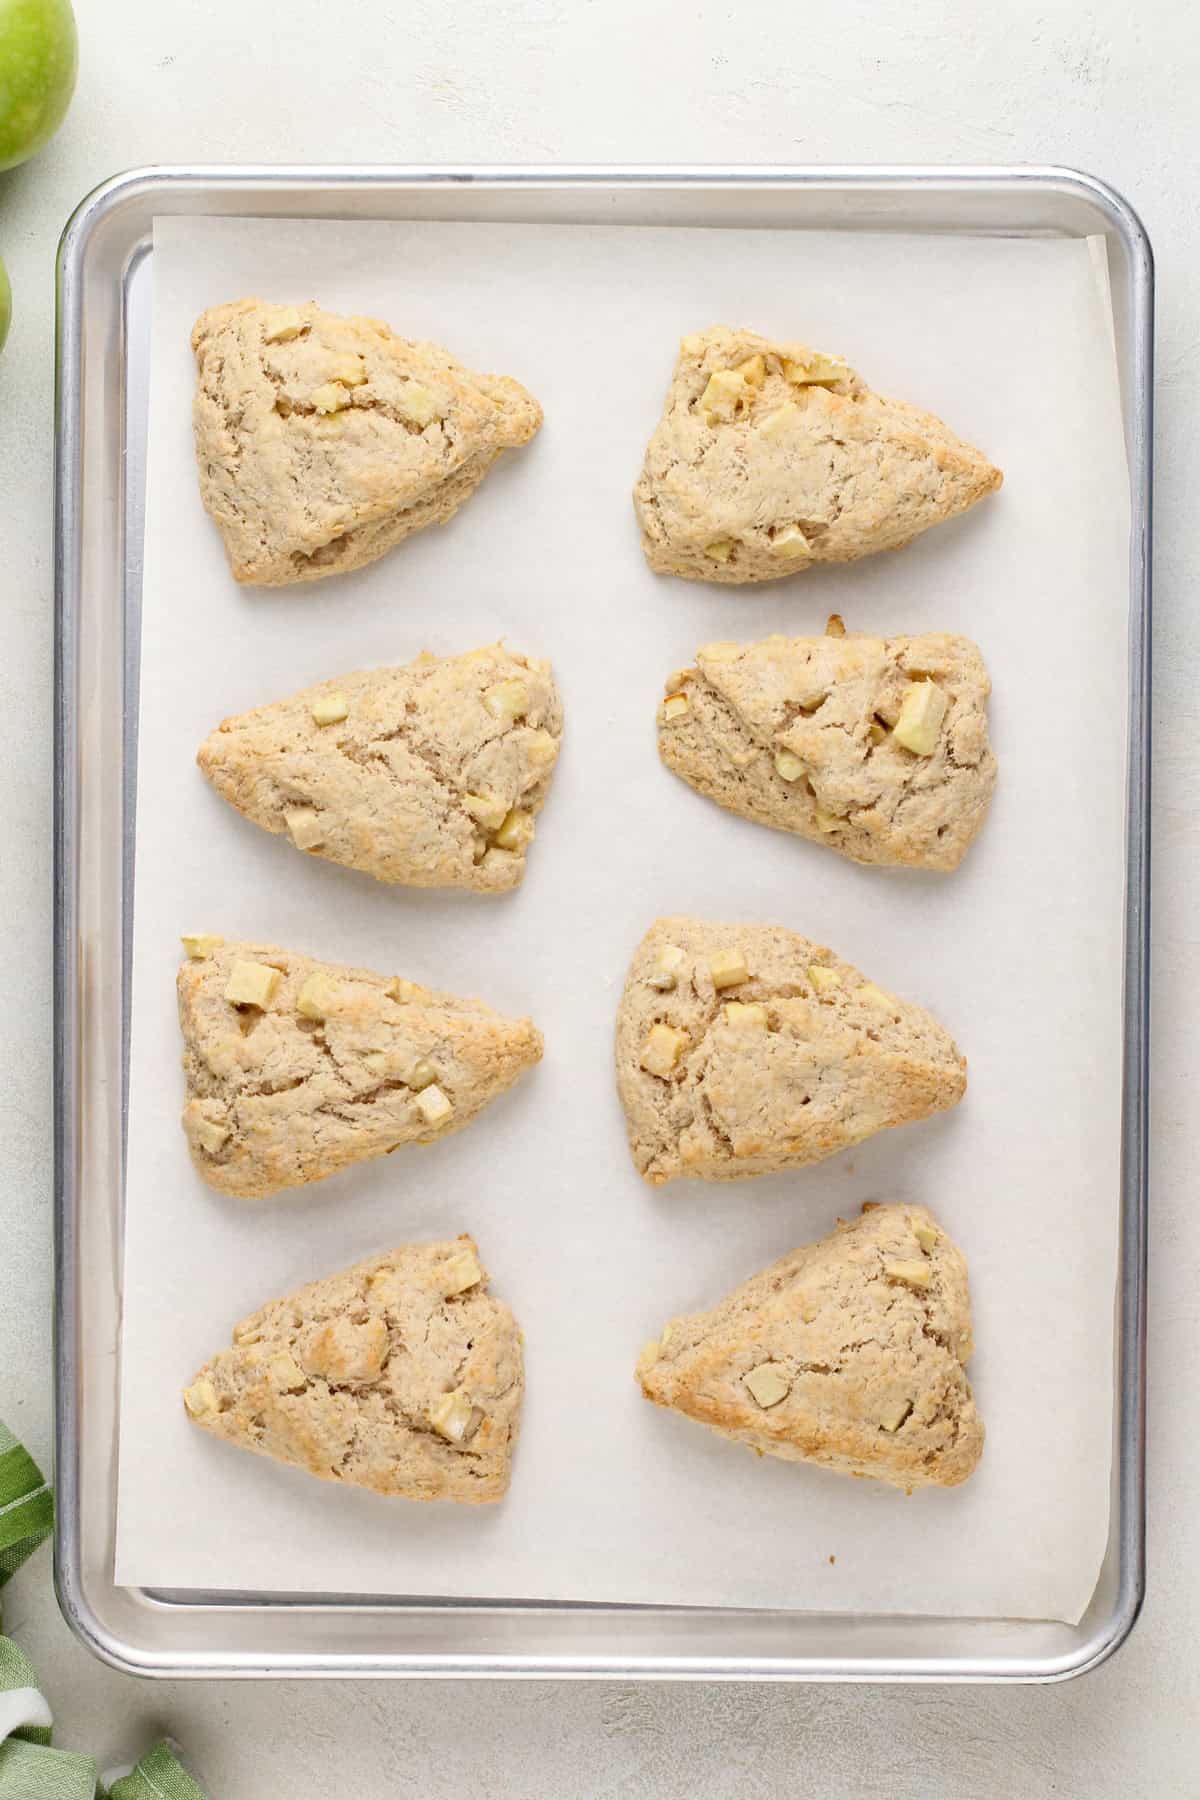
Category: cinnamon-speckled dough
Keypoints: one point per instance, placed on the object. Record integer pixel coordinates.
(856, 1347)
(415, 783)
(322, 441)
(346, 1377)
(757, 712)
(276, 1098)
(799, 463)
(819, 1063)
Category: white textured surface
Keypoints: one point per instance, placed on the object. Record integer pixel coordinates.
(1100, 85)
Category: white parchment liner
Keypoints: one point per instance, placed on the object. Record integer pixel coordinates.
(1019, 953)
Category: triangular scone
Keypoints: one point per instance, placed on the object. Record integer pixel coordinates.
(296, 1069)
(772, 457)
(429, 774)
(848, 1353)
(401, 1375)
(877, 747)
(322, 441)
(746, 1049)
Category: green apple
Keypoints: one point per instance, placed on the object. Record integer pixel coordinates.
(5, 303)
(39, 53)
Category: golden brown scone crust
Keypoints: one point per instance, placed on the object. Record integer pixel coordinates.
(277, 1098)
(346, 1377)
(798, 733)
(323, 441)
(848, 1353)
(432, 779)
(818, 1063)
(796, 463)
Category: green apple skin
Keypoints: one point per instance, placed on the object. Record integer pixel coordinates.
(39, 54)
(5, 303)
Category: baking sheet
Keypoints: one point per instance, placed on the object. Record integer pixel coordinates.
(1019, 953)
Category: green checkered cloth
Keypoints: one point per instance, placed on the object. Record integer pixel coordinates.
(29, 1768)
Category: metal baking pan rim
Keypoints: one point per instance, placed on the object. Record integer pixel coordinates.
(1111, 1628)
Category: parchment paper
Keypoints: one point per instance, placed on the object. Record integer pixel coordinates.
(1019, 953)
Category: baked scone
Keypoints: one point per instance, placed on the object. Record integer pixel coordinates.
(771, 457)
(297, 1068)
(877, 747)
(429, 774)
(746, 1049)
(402, 1375)
(322, 441)
(848, 1353)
